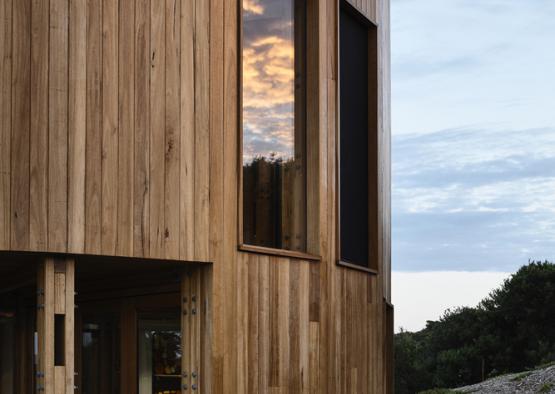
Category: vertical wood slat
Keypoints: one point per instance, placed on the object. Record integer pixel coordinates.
(77, 124)
(93, 150)
(21, 81)
(5, 121)
(45, 325)
(110, 132)
(187, 132)
(157, 126)
(172, 129)
(38, 207)
(57, 126)
(202, 132)
(126, 97)
(141, 192)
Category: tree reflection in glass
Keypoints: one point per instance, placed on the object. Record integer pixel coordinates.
(274, 124)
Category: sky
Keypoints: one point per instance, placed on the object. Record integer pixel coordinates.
(473, 124)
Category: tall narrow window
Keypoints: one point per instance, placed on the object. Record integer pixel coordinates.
(274, 124)
(358, 138)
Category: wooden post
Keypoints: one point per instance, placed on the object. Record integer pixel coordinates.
(191, 312)
(55, 326)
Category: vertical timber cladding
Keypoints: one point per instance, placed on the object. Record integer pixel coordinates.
(196, 331)
(105, 127)
(55, 326)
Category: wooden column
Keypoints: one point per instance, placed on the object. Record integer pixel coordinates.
(191, 316)
(55, 326)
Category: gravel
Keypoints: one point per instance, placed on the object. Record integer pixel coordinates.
(538, 381)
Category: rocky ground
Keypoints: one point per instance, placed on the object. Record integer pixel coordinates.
(538, 381)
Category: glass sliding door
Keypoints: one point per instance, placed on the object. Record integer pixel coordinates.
(100, 356)
(159, 355)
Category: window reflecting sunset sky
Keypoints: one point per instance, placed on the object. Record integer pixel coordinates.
(268, 79)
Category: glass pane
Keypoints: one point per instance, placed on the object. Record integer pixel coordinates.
(354, 142)
(100, 358)
(159, 356)
(274, 132)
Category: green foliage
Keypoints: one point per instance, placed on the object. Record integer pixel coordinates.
(546, 388)
(510, 330)
(521, 376)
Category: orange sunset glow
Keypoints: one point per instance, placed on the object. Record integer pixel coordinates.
(268, 79)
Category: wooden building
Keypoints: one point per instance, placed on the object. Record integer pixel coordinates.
(195, 196)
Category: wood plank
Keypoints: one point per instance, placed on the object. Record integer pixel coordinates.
(187, 124)
(141, 169)
(253, 321)
(77, 124)
(5, 121)
(38, 207)
(69, 345)
(157, 127)
(172, 130)
(202, 129)
(45, 325)
(224, 273)
(294, 383)
(57, 126)
(124, 245)
(21, 89)
(314, 357)
(60, 293)
(242, 323)
(304, 326)
(110, 132)
(59, 380)
(93, 169)
(264, 324)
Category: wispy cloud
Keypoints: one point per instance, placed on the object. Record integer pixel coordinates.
(473, 199)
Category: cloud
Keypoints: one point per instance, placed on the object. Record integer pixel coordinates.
(268, 80)
(422, 296)
(474, 199)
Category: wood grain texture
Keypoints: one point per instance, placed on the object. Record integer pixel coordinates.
(57, 125)
(157, 126)
(20, 128)
(5, 121)
(77, 124)
(126, 125)
(38, 207)
(141, 169)
(110, 130)
(93, 148)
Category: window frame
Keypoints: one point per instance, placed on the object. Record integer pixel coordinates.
(372, 267)
(312, 253)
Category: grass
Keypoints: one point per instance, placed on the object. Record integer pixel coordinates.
(546, 365)
(546, 388)
(521, 376)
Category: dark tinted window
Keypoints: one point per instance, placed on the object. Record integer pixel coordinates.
(354, 138)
